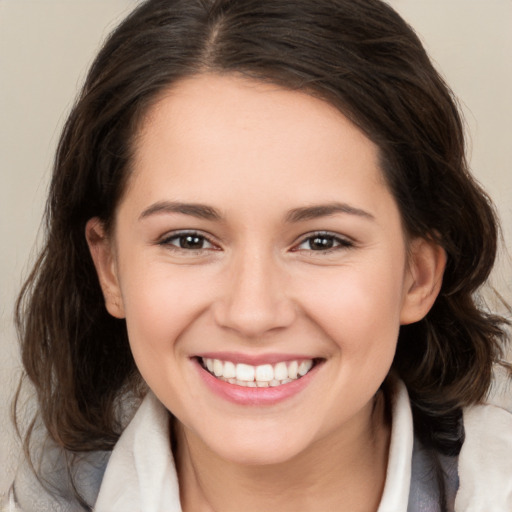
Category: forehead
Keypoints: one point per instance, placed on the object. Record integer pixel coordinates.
(209, 137)
(232, 103)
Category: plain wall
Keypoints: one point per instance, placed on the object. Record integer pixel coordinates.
(46, 46)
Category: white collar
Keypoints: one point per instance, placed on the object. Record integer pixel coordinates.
(485, 461)
(141, 474)
(398, 475)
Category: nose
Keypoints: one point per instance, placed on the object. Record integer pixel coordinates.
(254, 297)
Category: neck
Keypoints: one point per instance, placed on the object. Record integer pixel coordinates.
(343, 471)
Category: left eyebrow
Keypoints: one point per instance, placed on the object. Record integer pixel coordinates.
(201, 211)
(325, 210)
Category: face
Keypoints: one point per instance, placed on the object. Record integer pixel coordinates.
(260, 262)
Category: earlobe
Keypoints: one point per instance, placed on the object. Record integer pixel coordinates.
(102, 253)
(427, 261)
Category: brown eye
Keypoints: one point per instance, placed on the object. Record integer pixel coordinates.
(187, 242)
(324, 242)
(321, 243)
(191, 242)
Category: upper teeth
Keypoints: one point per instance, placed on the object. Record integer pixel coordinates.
(261, 376)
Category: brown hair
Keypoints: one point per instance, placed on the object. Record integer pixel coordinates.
(358, 55)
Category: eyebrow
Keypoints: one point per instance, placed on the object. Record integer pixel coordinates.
(301, 214)
(324, 210)
(200, 211)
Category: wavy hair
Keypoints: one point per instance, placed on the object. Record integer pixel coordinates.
(358, 55)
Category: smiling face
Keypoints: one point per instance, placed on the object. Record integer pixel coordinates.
(259, 260)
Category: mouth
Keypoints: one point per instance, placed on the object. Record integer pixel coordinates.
(260, 376)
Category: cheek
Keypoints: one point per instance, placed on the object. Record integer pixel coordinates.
(160, 305)
(160, 308)
(359, 309)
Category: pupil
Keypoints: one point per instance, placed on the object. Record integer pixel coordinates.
(321, 242)
(191, 242)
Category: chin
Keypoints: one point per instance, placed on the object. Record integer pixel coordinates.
(259, 446)
(261, 455)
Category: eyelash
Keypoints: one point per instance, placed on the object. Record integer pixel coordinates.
(338, 242)
(182, 236)
(331, 242)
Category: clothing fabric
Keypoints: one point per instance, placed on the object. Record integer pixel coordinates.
(140, 475)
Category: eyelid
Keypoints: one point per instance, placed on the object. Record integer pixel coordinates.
(343, 242)
(166, 239)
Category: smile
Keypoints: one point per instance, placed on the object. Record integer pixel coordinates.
(265, 375)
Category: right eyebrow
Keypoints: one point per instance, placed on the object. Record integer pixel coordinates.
(325, 210)
(198, 210)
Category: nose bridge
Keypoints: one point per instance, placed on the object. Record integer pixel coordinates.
(254, 298)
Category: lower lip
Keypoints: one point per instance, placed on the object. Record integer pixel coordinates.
(255, 396)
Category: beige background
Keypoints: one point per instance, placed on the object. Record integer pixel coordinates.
(46, 46)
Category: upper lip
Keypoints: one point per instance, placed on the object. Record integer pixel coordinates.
(254, 359)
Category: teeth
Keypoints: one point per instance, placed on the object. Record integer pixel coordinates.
(264, 373)
(280, 371)
(218, 368)
(261, 376)
(304, 367)
(244, 372)
(292, 370)
(229, 371)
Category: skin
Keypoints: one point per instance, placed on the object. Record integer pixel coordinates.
(259, 155)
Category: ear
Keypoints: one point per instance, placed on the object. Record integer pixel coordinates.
(427, 261)
(103, 256)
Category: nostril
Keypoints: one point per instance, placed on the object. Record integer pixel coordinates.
(254, 315)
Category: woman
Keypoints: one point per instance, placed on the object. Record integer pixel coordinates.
(261, 221)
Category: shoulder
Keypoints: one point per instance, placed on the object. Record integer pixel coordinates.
(480, 478)
(52, 489)
(485, 461)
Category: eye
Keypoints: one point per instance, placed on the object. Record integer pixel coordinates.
(188, 241)
(324, 242)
